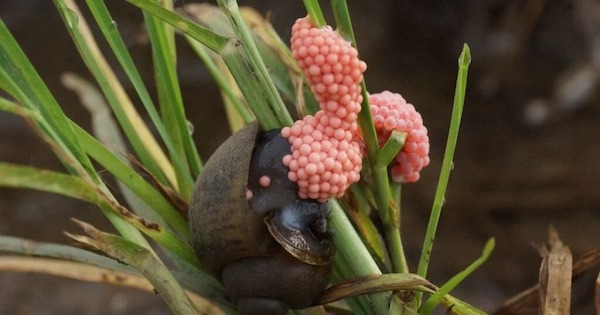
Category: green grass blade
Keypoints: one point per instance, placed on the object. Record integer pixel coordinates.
(171, 102)
(435, 298)
(16, 176)
(11, 107)
(121, 225)
(459, 98)
(143, 260)
(201, 283)
(141, 194)
(236, 107)
(22, 246)
(255, 62)
(25, 84)
(230, 68)
(459, 307)
(109, 29)
(251, 89)
(140, 137)
(209, 39)
(19, 78)
(132, 180)
(233, 56)
(342, 19)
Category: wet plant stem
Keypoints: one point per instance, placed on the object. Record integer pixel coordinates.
(459, 98)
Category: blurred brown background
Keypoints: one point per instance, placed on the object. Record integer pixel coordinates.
(527, 155)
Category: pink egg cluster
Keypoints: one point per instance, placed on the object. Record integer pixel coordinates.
(391, 112)
(326, 148)
(331, 65)
(323, 164)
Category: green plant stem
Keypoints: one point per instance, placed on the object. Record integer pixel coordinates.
(359, 304)
(435, 298)
(401, 265)
(391, 225)
(343, 21)
(395, 242)
(390, 149)
(459, 98)
(277, 107)
(251, 88)
(391, 219)
(388, 212)
(314, 12)
(355, 253)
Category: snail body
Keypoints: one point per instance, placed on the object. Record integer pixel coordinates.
(270, 249)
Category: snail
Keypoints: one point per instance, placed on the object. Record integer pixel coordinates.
(258, 213)
(270, 249)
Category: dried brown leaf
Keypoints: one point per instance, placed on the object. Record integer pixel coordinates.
(527, 300)
(556, 274)
(597, 295)
(85, 272)
(375, 283)
(169, 193)
(73, 270)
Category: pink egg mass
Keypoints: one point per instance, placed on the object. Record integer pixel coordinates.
(391, 112)
(326, 149)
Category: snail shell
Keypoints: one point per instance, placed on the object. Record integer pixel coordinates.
(271, 251)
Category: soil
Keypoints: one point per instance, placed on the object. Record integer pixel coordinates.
(527, 155)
